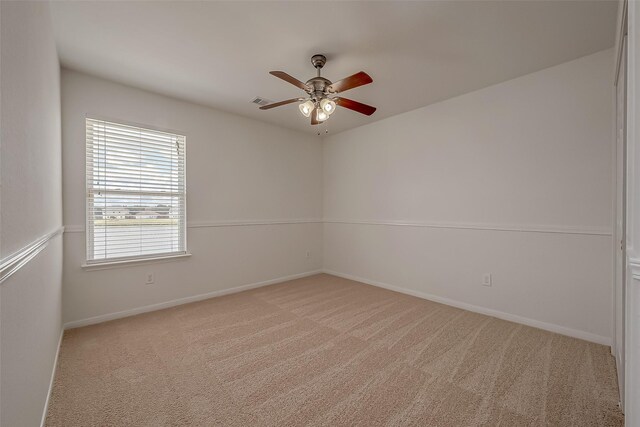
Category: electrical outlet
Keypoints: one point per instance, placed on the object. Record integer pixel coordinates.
(486, 279)
(150, 278)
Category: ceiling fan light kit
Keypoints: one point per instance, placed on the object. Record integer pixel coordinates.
(321, 100)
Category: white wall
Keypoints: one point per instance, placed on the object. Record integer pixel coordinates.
(239, 171)
(513, 180)
(30, 207)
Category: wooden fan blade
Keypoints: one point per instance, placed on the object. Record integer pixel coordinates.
(356, 106)
(314, 120)
(358, 79)
(277, 104)
(287, 78)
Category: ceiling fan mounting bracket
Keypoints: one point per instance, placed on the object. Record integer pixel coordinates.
(318, 61)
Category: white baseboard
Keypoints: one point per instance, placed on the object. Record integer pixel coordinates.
(53, 375)
(185, 300)
(587, 336)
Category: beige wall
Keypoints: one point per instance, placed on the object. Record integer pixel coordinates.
(513, 180)
(30, 207)
(239, 171)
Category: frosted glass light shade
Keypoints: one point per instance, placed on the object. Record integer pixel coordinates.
(306, 108)
(321, 115)
(328, 106)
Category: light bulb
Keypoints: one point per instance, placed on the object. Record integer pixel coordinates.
(322, 116)
(328, 105)
(306, 108)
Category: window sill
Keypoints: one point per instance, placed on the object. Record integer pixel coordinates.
(132, 262)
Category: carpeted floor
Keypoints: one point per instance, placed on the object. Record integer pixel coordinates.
(325, 351)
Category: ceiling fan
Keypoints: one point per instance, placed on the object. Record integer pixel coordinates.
(321, 101)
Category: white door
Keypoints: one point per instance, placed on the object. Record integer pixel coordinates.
(620, 233)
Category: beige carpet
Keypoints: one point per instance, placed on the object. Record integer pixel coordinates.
(325, 351)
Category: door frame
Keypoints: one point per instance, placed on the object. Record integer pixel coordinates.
(632, 321)
(619, 229)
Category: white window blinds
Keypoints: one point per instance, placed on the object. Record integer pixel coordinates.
(136, 194)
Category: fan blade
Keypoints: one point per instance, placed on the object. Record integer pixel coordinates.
(356, 106)
(287, 78)
(277, 104)
(358, 79)
(314, 120)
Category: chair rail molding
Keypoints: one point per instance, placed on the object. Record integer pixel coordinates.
(634, 267)
(250, 222)
(522, 228)
(14, 262)
(225, 223)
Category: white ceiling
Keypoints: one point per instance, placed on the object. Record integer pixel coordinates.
(219, 53)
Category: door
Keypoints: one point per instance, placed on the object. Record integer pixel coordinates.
(620, 232)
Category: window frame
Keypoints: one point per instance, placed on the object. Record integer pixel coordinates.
(126, 260)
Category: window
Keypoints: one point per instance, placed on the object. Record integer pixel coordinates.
(136, 193)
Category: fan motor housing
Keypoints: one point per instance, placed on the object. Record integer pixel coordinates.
(319, 85)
